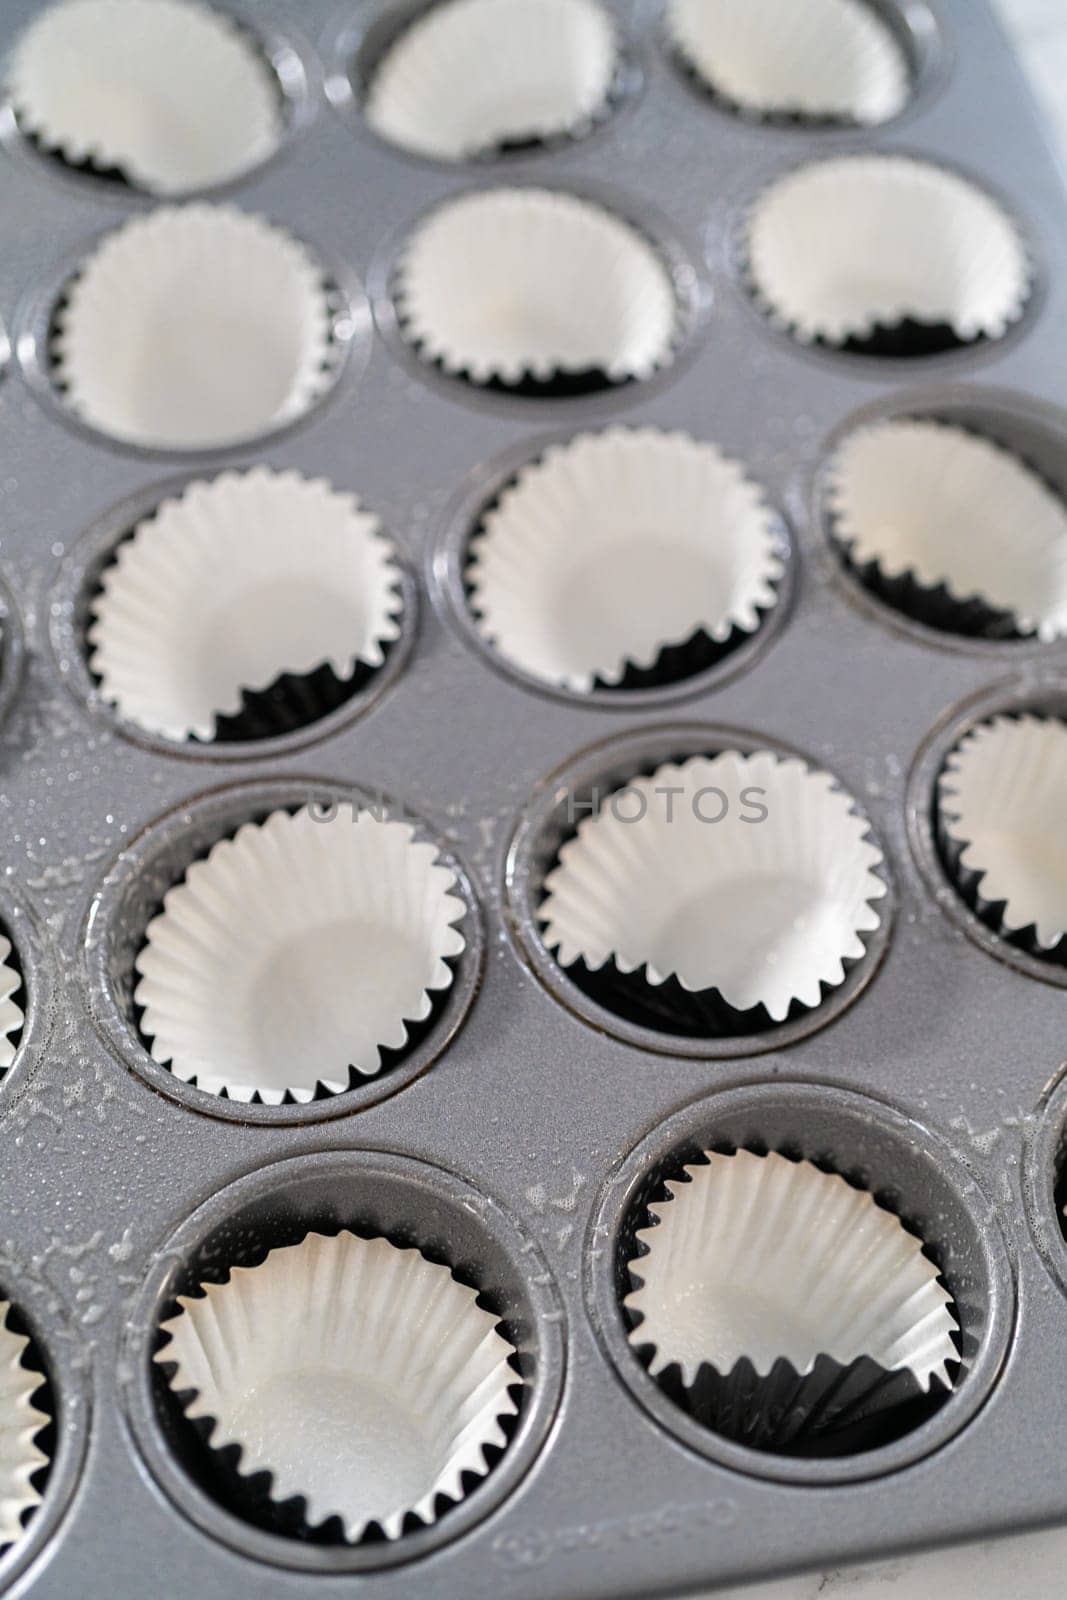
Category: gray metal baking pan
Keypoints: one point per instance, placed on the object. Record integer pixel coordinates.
(515, 1143)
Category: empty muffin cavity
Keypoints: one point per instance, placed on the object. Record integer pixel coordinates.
(23, 1462)
(195, 327)
(537, 292)
(308, 952)
(680, 548)
(360, 1376)
(716, 897)
(828, 61)
(783, 1307)
(470, 78)
(999, 811)
(165, 95)
(885, 255)
(245, 607)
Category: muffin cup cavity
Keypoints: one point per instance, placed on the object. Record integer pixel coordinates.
(831, 61)
(1001, 802)
(950, 527)
(537, 292)
(724, 894)
(376, 1410)
(165, 95)
(909, 1206)
(686, 555)
(283, 951)
(135, 347)
(478, 78)
(294, 954)
(639, 999)
(415, 1259)
(885, 255)
(785, 1306)
(305, 569)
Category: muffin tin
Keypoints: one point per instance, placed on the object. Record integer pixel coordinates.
(521, 1133)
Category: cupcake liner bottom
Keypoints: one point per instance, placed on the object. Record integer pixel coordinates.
(781, 117)
(677, 662)
(248, 1496)
(293, 701)
(669, 1007)
(557, 386)
(936, 605)
(834, 1409)
(909, 338)
(112, 177)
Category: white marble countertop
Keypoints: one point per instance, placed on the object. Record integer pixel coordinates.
(1032, 1566)
(1040, 31)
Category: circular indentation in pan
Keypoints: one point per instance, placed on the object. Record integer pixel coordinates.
(373, 1194)
(956, 875)
(165, 97)
(37, 1334)
(691, 566)
(949, 510)
(539, 293)
(359, 45)
(182, 531)
(464, 80)
(167, 382)
(158, 860)
(885, 256)
(690, 992)
(832, 64)
(910, 1171)
(375, 1410)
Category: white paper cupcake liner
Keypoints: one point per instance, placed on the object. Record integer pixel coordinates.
(296, 952)
(738, 920)
(233, 584)
(787, 1283)
(839, 249)
(472, 76)
(360, 1375)
(673, 537)
(20, 1423)
(824, 60)
(1002, 801)
(11, 1015)
(955, 526)
(508, 285)
(192, 327)
(170, 93)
